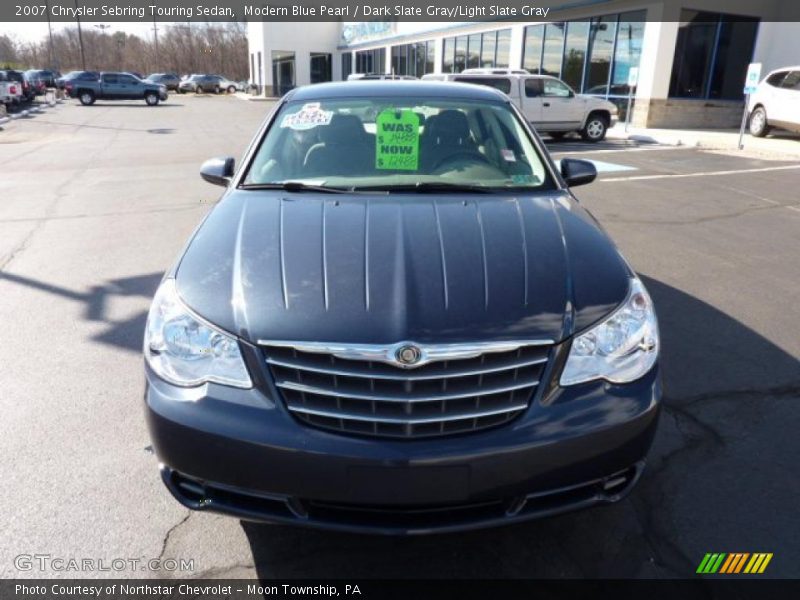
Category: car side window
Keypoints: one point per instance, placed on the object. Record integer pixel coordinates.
(554, 88)
(533, 88)
(126, 79)
(792, 81)
(776, 78)
(113, 79)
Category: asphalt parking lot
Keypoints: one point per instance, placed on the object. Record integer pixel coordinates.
(95, 203)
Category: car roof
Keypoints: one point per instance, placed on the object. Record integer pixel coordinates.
(795, 68)
(390, 88)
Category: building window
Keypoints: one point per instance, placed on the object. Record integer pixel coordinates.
(711, 55)
(488, 50)
(371, 61)
(474, 51)
(413, 59)
(577, 40)
(460, 60)
(321, 69)
(602, 32)
(628, 51)
(448, 46)
(532, 48)
(553, 51)
(503, 49)
(347, 65)
(282, 71)
(252, 68)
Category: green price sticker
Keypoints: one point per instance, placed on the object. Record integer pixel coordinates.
(397, 140)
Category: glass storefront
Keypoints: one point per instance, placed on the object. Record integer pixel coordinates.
(593, 56)
(413, 59)
(711, 55)
(371, 61)
(489, 49)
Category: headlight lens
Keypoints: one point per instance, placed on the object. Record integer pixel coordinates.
(622, 348)
(185, 350)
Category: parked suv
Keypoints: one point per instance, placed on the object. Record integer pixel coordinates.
(776, 102)
(170, 80)
(201, 84)
(548, 103)
(399, 319)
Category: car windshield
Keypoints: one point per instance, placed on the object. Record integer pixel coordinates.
(401, 143)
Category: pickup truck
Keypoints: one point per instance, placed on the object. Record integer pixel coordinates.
(548, 103)
(116, 86)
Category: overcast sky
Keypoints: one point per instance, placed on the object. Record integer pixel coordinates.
(33, 32)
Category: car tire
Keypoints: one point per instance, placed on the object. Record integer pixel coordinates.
(151, 98)
(180, 91)
(86, 97)
(758, 125)
(231, 89)
(199, 90)
(595, 129)
(216, 89)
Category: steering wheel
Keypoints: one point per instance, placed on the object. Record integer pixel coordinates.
(474, 157)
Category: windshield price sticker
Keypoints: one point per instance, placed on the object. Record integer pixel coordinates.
(397, 140)
(308, 117)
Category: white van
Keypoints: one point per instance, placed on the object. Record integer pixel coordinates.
(547, 102)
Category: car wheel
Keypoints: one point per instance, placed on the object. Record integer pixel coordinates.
(758, 122)
(151, 98)
(595, 128)
(199, 89)
(86, 98)
(181, 91)
(216, 89)
(231, 89)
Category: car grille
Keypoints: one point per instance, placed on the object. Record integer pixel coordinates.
(374, 398)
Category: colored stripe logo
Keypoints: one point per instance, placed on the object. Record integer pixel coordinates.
(733, 563)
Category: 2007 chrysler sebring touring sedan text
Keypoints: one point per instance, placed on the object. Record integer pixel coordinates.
(398, 319)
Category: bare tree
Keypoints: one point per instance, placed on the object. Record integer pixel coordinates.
(219, 48)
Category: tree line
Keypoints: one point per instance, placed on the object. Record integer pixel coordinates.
(182, 48)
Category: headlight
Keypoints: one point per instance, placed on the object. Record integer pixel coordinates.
(185, 350)
(620, 349)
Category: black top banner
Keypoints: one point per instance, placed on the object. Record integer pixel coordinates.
(360, 10)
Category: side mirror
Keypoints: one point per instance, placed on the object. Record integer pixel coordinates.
(218, 171)
(577, 172)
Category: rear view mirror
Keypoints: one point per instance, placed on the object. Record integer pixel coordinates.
(577, 172)
(218, 171)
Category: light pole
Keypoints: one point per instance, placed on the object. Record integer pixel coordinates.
(80, 37)
(155, 34)
(53, 61)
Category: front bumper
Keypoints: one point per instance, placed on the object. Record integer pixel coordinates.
(240, 452)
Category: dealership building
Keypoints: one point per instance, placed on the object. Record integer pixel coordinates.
(691, 64)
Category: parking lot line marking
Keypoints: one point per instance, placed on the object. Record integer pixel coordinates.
(701, 174)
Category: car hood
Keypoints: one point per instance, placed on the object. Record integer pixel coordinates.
(381, 269)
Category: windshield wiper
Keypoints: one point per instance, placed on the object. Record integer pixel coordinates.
(294, 186)
(428, 186)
